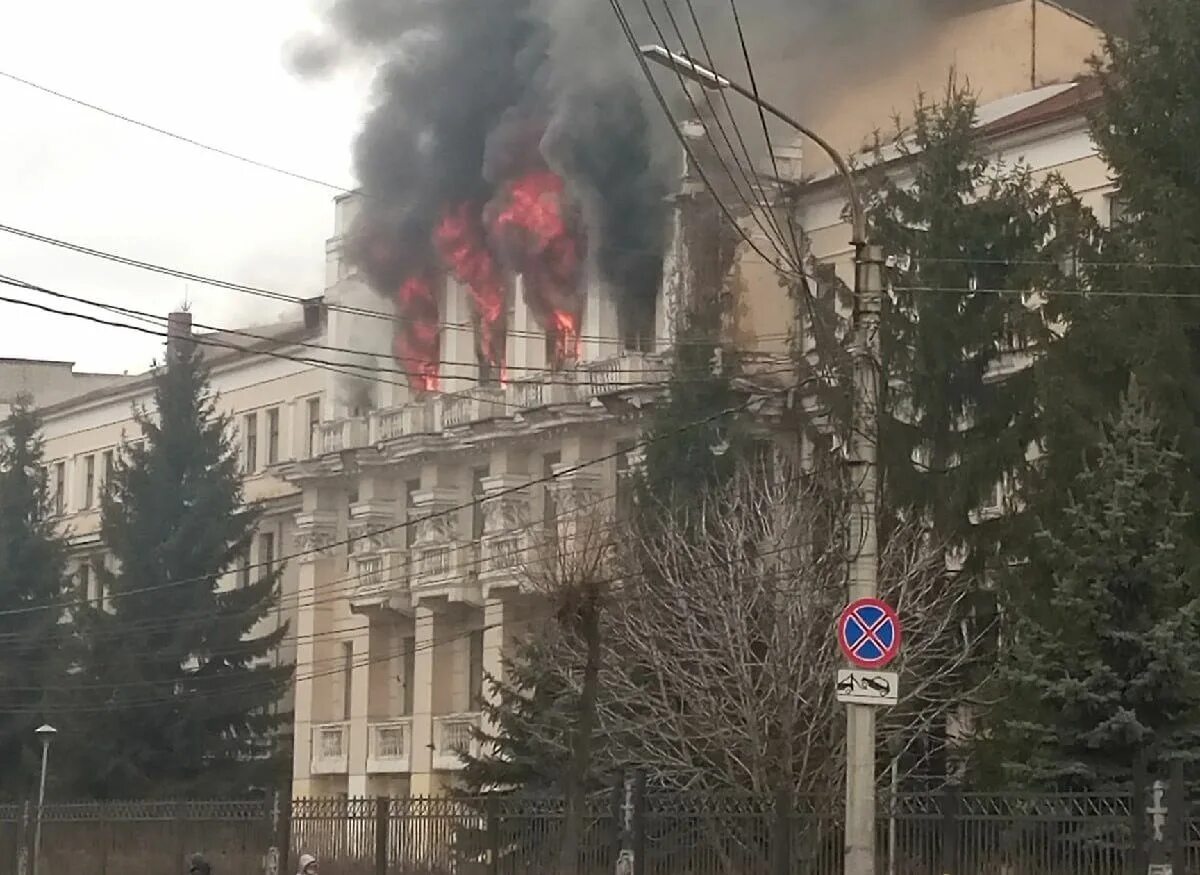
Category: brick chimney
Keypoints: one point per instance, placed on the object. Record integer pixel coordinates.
(179, 335)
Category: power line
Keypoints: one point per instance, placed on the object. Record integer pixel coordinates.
(790, 243)
(784, 270)
(283, 297)
(180, 137)
(264, 685)
(348, 369)
(745, 174)
(29, 609)
(762, 115)
(339, 589)
(241, 332)
(1075, 293)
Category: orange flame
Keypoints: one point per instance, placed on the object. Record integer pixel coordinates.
(418, 337)
(532, 228)
(460, 242)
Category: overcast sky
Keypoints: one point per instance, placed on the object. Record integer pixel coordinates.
(212, 71)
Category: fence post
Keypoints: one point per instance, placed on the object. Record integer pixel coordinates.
(23, 836)
(781, 834)
(639, 822)
(493, 834)
(277, 822)
(951, 813)
(1140, 858)
(616, 804)
(1177, 819)
(382, 818)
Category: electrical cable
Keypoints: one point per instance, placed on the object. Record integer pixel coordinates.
(339, 589)
(292, 299)
(687, 147)
(790, 244)
(794, 238)
(565, 472)
(712, 141)
(164, 321)
(751, 209)
(320, 364)
(12, 77)
(722, 564)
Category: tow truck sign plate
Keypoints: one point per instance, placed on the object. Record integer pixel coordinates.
(856, 686)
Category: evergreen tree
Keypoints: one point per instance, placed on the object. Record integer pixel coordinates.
(532, 712)
(1107, 664)
(681, 464)
(972, 242)
(33, 578)
(1143, 322)
(177, 667)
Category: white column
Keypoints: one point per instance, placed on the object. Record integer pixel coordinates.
(493, 649)
(315, 529)
(600, 327)
(360, 691)
(527, 339)
(421, 761)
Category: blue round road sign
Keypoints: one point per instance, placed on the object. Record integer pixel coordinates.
(869, 633)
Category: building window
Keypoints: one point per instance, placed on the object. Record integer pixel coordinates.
(410, 673)
(348, 677)
(549, 503)
(89, 480)
(244, 569)
(475, 671)
(273, 436)
(266, 552)
(60, 488)
(1116, 207)
(314, 422)
(411, 488)
(250, 427)
(91, 581)
(478, 518)
(625, 480)
(109, 467)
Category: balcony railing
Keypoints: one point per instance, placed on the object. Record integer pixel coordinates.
(389, 746)
(331, 749)
(588, 380)
(471, 406)
(339, 435)
(453, 734)
(397, 422)
(530, 393)
(504, 552)
(436, 561)
(620, 372)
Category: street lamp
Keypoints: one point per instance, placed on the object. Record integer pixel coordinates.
(861, 452)
(46, 733)
(713, 81)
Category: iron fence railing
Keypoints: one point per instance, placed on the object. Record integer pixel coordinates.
(945, 833)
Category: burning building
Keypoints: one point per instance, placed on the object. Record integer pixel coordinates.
(482, 166)
(531, 230)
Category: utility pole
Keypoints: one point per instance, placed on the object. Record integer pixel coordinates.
(861, 452)
(864, 545)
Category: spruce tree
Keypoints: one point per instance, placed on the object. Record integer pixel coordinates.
(531, 713)
(1106, 664)
(1143, 321)
(177, 666)
(34, 646)
(971, 242)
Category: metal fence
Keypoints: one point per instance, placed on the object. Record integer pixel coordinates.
(949, 833)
